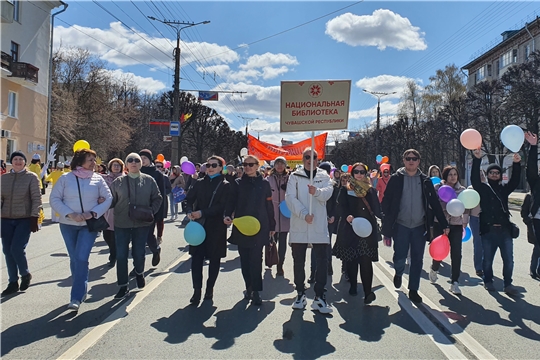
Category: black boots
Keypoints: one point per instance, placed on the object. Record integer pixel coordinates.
(196, 298)
(12, 288)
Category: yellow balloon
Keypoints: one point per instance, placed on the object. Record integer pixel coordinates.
(81, 144)
(247, 225)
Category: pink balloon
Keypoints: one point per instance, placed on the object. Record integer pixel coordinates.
(439, 248)
(167, 164)
(447, 193)
(188, 167)
(471, 139)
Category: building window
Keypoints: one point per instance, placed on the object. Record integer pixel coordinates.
(497, 67)
(13, 104)
(481, 73)
(514, 55)
(506, 59)
(14, 52)
(489, 70)
(10, 148)
(16, 10)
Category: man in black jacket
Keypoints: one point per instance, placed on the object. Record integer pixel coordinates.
(530, 212)
(408, 200)
(495, 225)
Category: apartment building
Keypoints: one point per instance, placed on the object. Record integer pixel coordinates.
(515, 48)
(25, 45)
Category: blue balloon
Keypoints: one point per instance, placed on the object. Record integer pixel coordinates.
(378, 158)
(344, 168)
(467, 234)
(284, 209)
(435, 180)
(194, 233)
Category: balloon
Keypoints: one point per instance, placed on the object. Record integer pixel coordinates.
(471, 139)
(435, 180)
(439, 248)
(247, 225)
(188, 167)
(470, 198)
(349, 168)
(243, 152)
(183, 159)
(81, 144)
(378, 158)
(160, 157)
(362, 227)
(225, 171)
(167, 164)
(344, 168)
(447, 193)
(467, 233)
(385, 159)
(284, 209)
(512, 137)
(455, 207)
(194, 233)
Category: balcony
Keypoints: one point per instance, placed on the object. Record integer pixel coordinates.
(24, 73)
(6, 62)
(7, 8)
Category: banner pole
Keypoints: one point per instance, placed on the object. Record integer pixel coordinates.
(313, 167)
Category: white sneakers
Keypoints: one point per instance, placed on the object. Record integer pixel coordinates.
(300, 302)
(432, 276)
(74, 305)
(320, 304)
(454, 288)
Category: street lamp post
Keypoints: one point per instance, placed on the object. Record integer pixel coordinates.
(379, 95)
(178, 26)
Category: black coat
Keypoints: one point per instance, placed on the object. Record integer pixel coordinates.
(158, 177)
(392, 202)
(489, 201)
(198, 198)
(533, 179)
(251, 196)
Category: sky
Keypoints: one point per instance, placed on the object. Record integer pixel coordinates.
(251, 46)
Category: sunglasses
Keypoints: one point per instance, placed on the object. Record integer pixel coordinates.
(249, 164)
(159, 166)
(363, 172)
(411, 158)
(213, 165)
(386, 172)
(130, 160)
(494, 173)
(308, 157)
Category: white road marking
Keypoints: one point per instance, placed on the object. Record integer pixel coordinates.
(97, 333)
(457, 331)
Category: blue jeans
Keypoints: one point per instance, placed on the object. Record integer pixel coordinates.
(15, 237)
(415, 239)
(498, 238)
(79, 242)
(123, 236)
(173, 206)
(478, 250)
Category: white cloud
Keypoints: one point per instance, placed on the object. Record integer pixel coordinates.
(386, 83)
(146, 84)
(388, 108)
(382, 29)
(268, 60)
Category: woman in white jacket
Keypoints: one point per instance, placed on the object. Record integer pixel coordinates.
(66, 199)
(309, 227)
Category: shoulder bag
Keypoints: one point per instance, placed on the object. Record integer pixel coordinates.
(379, 234)
(94, 225)
(514, 229)
(202, 220)
(139, 213)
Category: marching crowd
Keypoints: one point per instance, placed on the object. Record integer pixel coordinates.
(128, 201)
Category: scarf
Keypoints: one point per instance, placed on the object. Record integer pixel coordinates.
(82, 173)
(360, 187)
(134, 175)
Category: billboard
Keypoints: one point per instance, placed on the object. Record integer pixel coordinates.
(208, 95)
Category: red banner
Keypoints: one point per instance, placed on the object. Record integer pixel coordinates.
(268, 152)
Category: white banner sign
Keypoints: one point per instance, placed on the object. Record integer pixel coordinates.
(315, 105)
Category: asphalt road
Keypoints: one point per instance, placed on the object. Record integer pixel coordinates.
(158, 322)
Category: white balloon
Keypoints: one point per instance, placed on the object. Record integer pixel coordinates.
(512, 137)
(470, 198)
(455, 207)
(362, 227)
(243, 152)
(183, 159)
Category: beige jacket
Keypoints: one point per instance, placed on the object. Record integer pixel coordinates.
(21, 196)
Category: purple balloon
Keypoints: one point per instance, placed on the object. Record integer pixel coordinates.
(447, 193)
(188, 167)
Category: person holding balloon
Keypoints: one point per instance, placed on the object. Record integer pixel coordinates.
(533, 178)
(357, 244)
(495, 225)
(205, 204)
(408, 202)
(449, 189)
(278, 178)
(251, 197)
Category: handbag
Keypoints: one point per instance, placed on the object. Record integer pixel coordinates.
(271, 257)
(514, 230)
(179, 194)
(94, 225)
(379, 234)
(139, 213)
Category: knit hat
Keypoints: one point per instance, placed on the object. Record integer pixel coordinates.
(326, 166)
(280, 158)
(147, 153)
(36, 157)
(493, 167)
(385, 167)
(17, 153)
(60, 165)
(134, 155)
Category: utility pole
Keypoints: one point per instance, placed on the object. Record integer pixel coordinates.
(247, 120)
(178, 26)
(259, 133)
(379, 95)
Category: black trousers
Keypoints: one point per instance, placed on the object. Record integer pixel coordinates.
(251, 264)
(366, 273)
(151, 240)
(455, 236)
(197, 262)
(282, 246)
(299, 258)
(108, 236)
